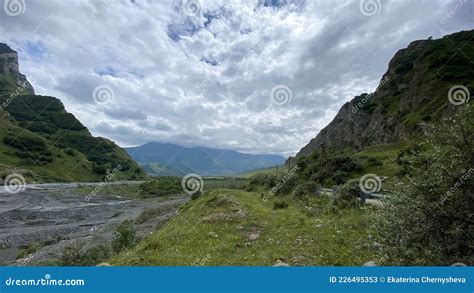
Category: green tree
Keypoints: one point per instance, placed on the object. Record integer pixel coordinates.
(429, 220)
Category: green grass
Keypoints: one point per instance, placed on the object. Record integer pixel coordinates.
(234, 227)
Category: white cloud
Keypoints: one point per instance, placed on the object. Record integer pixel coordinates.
(206, 79)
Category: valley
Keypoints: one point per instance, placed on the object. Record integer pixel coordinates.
(166, 204)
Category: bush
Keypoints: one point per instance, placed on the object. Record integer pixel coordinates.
(308, 188)
(196, 195)
(428, 220)
(280, 204)
(373, 162)
(75, 256)
(124, 237)
(348, 194)
(162, 186)
(263, 180)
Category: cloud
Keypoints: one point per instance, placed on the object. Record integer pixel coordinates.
(205, 76)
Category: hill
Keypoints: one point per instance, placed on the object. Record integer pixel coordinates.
(426, 82)
(201, 160)
(412, 92)
(44, 142)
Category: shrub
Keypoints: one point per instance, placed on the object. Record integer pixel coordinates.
(196, 195)
(124, 237)
(75, 256)
(307, 188)
(348, 194)
(162, 186)
(374, 162)
(428, 220)
(280, 204)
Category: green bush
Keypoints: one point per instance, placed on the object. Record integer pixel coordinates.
(428, 219)
(308, 188)
(75, 256)
(162, 186)
(124, 237)
(280, 204)
(347, 194)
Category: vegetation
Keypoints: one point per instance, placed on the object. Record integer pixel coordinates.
(124, 237)
(77, 256)
(235, 227)
(162, 186)
(39, 136)
(429, 219)
(91, 256)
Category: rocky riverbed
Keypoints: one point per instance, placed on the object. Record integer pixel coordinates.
(55, 216)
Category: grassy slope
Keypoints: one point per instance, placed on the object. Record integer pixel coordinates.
(75, 154)
(212, 231)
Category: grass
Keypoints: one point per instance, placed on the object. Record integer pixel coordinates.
(234, 227)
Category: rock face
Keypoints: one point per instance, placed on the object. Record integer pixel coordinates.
(414, 90)
(9, 66)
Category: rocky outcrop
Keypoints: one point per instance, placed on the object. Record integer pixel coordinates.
(9, 66)
(412, 92)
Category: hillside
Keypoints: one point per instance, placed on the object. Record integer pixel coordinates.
(234, 227)
(413, 91)
(39, 139)
(201, 160)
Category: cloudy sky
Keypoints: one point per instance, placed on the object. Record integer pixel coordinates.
(257, 76)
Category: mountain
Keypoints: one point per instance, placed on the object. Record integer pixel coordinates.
(45, 143)
(416, 89)
(201, 160)
(156, 170)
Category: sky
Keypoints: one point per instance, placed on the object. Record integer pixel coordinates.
(261, 76)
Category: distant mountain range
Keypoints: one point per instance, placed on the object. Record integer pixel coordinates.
(170, 159)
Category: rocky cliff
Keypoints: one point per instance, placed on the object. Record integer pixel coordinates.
(9, 65)
(424, 82)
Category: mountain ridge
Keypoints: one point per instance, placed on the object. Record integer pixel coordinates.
(409, 94)
(202, 160)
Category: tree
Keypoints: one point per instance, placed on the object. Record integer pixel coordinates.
(429, 220)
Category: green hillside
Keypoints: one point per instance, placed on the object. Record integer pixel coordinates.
(39, 139)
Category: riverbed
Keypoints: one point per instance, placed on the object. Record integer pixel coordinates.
(53, 217)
